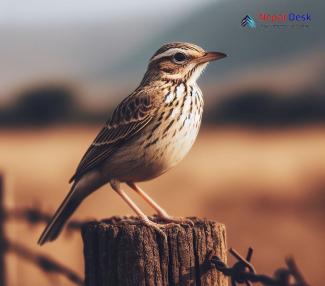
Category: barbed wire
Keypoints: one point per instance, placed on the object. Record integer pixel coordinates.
(44, 262)
(35, 216)
(243, 272)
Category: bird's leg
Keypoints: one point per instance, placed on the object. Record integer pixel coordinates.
(116, 187)
(160, 211)
(162, 214)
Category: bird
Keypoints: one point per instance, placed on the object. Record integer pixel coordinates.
(149, 132)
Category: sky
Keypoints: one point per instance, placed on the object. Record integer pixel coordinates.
(21, 21)
(78, 41)
(16, 12)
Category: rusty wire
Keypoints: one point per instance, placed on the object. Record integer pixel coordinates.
(243, 272)
(44, 262)
(35, 216)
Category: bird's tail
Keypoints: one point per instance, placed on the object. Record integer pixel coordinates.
(63, 213)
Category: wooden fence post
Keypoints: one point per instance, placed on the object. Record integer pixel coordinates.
(2, 234)
(123, 251)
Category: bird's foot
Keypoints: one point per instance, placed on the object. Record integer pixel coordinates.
(176, 220)
(160, 227)
(157, 227)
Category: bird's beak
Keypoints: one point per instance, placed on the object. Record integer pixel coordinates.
(211, 56)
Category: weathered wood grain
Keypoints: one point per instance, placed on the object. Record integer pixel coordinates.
(124, 252)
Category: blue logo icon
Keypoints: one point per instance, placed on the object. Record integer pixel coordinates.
(249, 22)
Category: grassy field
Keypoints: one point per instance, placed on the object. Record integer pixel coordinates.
(268, 187)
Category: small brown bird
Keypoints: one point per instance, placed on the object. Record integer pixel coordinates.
(149, 132)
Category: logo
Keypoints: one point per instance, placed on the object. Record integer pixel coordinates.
(279, 20)
(284, 17)
(248, 21)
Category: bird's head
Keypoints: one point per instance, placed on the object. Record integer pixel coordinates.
(180, 62)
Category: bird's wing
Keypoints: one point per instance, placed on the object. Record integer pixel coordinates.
(130, 117)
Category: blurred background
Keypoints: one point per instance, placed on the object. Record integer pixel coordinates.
(258, 164)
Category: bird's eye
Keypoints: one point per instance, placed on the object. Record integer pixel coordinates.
(179, 58)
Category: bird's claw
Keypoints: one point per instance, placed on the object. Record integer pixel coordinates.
(178, 220)
(157, 227)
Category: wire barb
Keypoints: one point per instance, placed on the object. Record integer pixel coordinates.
(243, 271)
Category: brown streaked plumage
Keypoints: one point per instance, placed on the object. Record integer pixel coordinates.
(149, 132)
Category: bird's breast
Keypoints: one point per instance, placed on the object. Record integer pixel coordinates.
(164, 142)
(174, 131)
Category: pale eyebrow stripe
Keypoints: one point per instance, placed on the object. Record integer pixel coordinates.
(167, 53)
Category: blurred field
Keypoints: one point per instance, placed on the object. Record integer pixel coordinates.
(268, 187)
